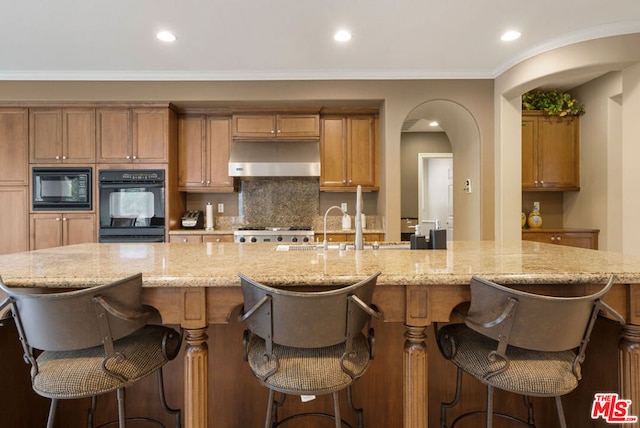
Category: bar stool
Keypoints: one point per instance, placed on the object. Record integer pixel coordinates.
(92, 341)
(308, 343)
(521, 342)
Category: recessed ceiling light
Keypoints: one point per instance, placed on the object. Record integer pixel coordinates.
(342, 36)
(433, 123)
(166, 36)
(510, 36)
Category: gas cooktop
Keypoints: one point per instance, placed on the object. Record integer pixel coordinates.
(275, 228)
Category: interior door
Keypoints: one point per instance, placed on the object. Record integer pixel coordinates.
(435, 188)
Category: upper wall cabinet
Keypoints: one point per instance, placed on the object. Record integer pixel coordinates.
(14, 147)
(550, 152)
(62, 135)
(283, 126)
(349, 153)
(137, 135)
(204, 145)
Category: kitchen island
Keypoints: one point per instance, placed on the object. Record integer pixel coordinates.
(196, 285)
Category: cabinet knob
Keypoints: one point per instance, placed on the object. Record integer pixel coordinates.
(135, 157)
(64, 219)
(553, 238)
(184, 239)
(559, 238)
(128, 157)
(273, 132)
(57, 218)
(542, 182)
(279, 131)
(64, 157)
(208, 182)
(57, 157)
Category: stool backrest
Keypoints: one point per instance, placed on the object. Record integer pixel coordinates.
(532, 321)
(307, 319)
(71, 320)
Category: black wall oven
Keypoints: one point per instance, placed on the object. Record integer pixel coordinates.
(61, 189)
(132, 205)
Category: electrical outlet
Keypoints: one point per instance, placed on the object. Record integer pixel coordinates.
(220, 208)
(467, 185)
(343, 206)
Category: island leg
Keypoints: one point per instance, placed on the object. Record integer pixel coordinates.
(629, 363)
(196, 378)
(416, 411)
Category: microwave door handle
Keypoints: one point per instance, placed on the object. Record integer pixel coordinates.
(130, 184)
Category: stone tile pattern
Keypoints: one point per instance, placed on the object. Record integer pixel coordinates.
(279, 201)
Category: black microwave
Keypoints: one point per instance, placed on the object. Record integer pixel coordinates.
(61, 189)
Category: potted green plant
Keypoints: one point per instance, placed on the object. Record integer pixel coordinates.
(552, 102)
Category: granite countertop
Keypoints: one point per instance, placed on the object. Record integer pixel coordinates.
(230, 231)
(217, 264)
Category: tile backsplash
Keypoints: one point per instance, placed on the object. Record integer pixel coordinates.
(279, 201)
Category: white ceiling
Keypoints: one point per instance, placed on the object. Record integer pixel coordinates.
(291, 39)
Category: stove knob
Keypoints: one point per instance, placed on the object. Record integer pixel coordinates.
(242, 239)
(294, 239)
(279, 238)
(253, 239)
(305, 239)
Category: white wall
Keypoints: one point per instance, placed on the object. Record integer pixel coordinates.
(597, 204)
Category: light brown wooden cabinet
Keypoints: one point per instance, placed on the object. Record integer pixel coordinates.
(582, 238)
(14, 219)
(204, 145)
(14, 147)
(349, 152)
(56, 229)
(550, 152)
(349, 237)
(133, 135)
(190, 237)
(62, 135)
(276, 125)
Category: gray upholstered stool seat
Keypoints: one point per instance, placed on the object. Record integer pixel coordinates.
(78, 374)
(308, 370)
(534, 373)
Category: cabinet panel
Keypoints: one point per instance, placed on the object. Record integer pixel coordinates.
(187, 238)
(150, 135)
(333, 152)
(581, 239)
(274, 125)
(191, 152)
(45, 231)
(298, 125)
(550, 152)
(217, 238)
(14, 147)
(362, 152)
(79, 135)
(349, 153)
(204, 148)
(45, 135)
(56, 229)
(113, 133)
(219, 148)
(14, 219)
(254, 126)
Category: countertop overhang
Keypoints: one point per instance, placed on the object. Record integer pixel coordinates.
(218, 264)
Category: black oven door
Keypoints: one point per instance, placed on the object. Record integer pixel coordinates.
(131, 210)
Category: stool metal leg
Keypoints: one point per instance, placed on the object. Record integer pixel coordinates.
(52, 413)
(336, 409)
(563, 423)
(163, 400)
(456, 398)
(121, 408)
(268, 422)
(489, 406)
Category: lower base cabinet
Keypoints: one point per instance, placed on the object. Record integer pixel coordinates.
(14, 224)
(57, 229)
(190, 237)
(581, 238)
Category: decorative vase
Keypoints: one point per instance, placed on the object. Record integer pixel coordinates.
(535, 219)
(524, 219)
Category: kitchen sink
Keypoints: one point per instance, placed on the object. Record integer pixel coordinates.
(344, 247)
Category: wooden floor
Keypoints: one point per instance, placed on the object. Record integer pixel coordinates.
(237, 400)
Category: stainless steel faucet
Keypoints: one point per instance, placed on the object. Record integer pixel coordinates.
(325, 244)
(359, 239)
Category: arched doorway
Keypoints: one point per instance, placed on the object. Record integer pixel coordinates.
(461, 130)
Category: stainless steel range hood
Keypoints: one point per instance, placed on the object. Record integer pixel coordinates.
(275, 159)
